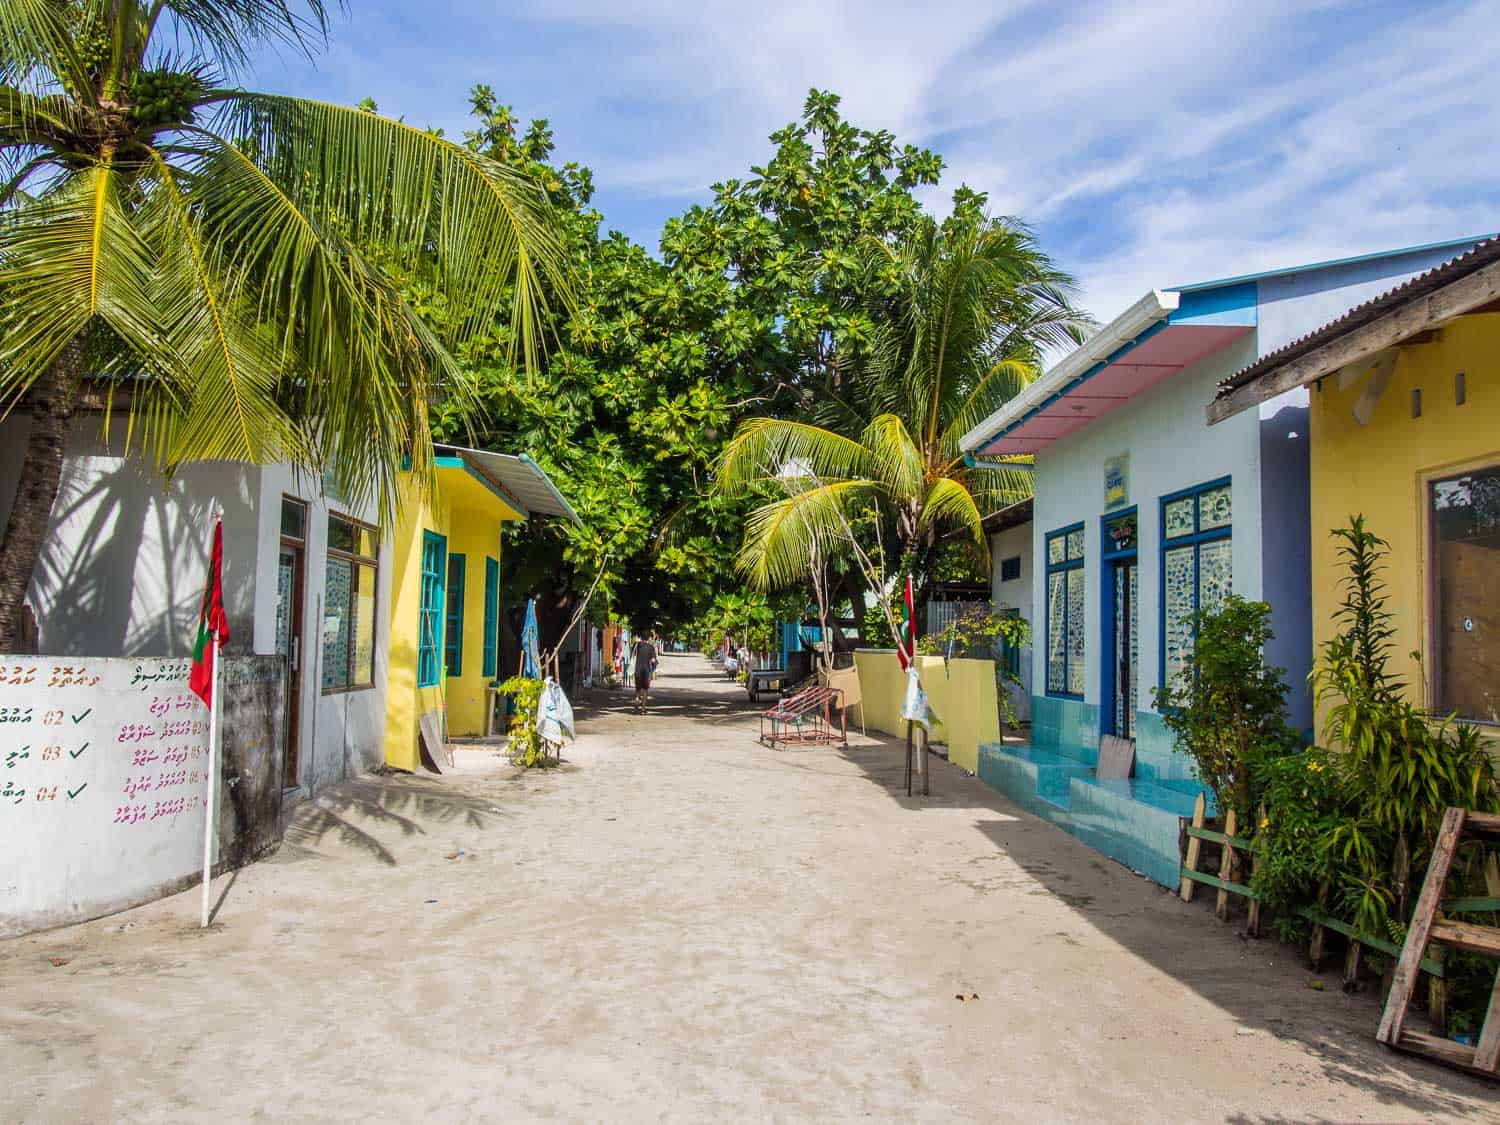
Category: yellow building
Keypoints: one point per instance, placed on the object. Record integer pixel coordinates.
(445, 592)
(1405, 429)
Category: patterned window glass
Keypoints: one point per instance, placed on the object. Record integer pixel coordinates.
(1215, 574)
(1177, 518)
(1197, 567)
(1214, 509)
(1057, 663)
(1177, 635)
(1065, 612)
(1075, 632)
(349, 605)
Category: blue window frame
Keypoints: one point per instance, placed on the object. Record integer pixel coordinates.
(453, 636)
(1065, 613)
(430, 610)
(1197, 565)
(491, 615)
(1119, 619)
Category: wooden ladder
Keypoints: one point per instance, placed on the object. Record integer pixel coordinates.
(1428, 926)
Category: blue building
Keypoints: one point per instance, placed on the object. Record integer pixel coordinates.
(1143, 516)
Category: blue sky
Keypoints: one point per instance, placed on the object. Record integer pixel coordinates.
(1149, 144)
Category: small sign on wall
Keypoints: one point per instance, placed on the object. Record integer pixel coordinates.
(1116, 481)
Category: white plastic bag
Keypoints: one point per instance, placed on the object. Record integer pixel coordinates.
(914, 707)
(554, 714)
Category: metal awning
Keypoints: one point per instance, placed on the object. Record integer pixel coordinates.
(519, 477)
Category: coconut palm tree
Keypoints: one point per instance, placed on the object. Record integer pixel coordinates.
(973, 303)
(228, 268)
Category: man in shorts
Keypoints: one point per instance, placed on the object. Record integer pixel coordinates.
(644, 658)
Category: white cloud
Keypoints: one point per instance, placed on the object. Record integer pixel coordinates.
(1151, 144)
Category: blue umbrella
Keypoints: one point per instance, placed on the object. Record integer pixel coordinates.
(531, 661)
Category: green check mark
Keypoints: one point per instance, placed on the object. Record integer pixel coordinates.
(74, 792)
(80, 750)
(79, 718)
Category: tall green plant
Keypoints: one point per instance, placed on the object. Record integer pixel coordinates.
(1365, 824)
(229, 261)
(1227, 708)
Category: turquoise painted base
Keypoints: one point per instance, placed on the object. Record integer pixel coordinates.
(1135, 821)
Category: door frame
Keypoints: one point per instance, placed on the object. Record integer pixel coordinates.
(1109, 561)
(291, 757)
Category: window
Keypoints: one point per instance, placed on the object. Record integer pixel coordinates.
(349, 605)
(1010, 569)
(430, 614)
(491, 615)
(293, 519)
(1196, 563)
(1464, 512)
(1065, 598)
(453, 643)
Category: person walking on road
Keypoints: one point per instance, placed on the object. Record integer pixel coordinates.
(645, 668)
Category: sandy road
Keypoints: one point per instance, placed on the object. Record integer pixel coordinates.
(680, 926)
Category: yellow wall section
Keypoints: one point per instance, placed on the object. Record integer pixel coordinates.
(1382, 469)
(962, 695)
(465, 510)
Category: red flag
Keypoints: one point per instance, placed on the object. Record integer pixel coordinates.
(906, 643)
(212, 623)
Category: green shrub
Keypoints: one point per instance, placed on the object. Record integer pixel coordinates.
(1227, 708)
(525, 746)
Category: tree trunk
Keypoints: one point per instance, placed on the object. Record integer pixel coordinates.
(50, 404)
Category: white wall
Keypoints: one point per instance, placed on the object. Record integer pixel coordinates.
(1171, 448)
(340, 733)
(126, 555)
(103, 787)
(125, 562)
(1016, 594)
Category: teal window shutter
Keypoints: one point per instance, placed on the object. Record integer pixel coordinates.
(430, 610)
(491, 614)
(453, 643)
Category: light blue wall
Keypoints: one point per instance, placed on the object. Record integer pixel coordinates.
(1171, 448)
(1286, 546)
(1295, 304)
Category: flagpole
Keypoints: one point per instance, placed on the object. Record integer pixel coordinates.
(213, 784)
(209, 818)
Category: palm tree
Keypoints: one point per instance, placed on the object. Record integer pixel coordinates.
(973, 304)
(228, 268)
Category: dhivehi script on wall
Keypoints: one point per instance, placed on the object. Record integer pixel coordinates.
(103, 777)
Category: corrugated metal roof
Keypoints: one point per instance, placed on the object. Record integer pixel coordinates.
(1477, 258)
(1013, 516)
(520, 476)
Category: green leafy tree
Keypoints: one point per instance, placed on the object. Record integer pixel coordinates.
(962, 312)
(229, 262)
(1228, 707)
(1360, 818)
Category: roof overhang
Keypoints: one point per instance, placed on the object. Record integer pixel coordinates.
(1162, 334)
(519, 480)
(1370, 333)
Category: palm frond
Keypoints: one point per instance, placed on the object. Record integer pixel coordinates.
(231, 30)
(894, 457)
(482, 231)
(65, 259)
(950, 504)
(763, 448)
(780, 536)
